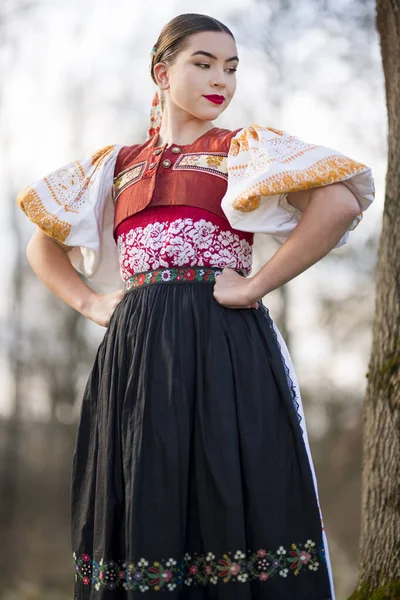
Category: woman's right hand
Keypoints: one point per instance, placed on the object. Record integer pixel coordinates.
(100, 307)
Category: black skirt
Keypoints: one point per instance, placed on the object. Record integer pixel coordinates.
(190, 474)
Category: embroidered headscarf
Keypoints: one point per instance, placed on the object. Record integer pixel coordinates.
(156, 110)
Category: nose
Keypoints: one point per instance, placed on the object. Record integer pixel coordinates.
(219, 80)
(219, 83)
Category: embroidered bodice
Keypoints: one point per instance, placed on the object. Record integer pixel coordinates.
(174, 236)
(168, 207)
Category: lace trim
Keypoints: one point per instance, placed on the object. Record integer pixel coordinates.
(291, 385)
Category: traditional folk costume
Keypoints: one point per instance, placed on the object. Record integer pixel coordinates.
(192, 471)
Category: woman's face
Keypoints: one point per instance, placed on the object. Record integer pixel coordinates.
(205, 67)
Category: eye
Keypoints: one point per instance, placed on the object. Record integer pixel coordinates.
(230, 70)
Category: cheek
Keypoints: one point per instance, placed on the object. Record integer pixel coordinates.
(232, 88)
(180, 89)
(187, 83)
(195, 78)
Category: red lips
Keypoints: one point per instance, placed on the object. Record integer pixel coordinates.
(215, 98)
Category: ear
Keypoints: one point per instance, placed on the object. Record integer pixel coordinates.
(161, 75)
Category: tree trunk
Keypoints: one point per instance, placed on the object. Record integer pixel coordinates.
(379, 572)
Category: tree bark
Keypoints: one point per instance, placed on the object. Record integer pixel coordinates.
(379, 570)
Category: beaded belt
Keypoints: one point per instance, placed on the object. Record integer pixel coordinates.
(172, 275)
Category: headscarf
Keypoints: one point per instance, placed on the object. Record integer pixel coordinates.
(155, 116)
(156, 110)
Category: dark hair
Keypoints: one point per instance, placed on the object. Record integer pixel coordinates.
(172, 38)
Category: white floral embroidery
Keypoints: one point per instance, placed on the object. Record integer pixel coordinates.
(179, 243)
(152, 236)
(202, 233)
(210, 556)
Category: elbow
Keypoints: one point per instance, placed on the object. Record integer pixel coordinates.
(350, 205)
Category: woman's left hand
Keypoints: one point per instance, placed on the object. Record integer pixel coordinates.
(233, 290)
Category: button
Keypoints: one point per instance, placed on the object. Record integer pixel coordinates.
(152, 165)
(157, 152)
(176, 149)
(166, 163)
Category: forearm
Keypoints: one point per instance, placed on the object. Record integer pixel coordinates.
(326, 218)
(51, 264)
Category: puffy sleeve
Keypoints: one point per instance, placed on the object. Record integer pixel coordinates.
(74, 205)
(265, 165)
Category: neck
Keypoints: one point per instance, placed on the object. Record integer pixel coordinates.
(181, 128)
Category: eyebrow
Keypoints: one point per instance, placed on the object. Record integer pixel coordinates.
(204, 53)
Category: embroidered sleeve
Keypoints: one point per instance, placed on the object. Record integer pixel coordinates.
(74, 205)
(265, 164)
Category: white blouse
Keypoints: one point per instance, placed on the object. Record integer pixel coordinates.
(74, 204)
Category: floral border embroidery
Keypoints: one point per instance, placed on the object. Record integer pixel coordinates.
(214, 163)
(198, 569)
(206, 274)
(182, 242)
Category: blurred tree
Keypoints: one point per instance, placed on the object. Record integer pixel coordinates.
(379, 574)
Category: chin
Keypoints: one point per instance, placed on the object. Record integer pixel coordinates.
(214, 112)
(210, 116)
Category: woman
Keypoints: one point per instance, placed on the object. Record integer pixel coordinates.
(192, 471)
